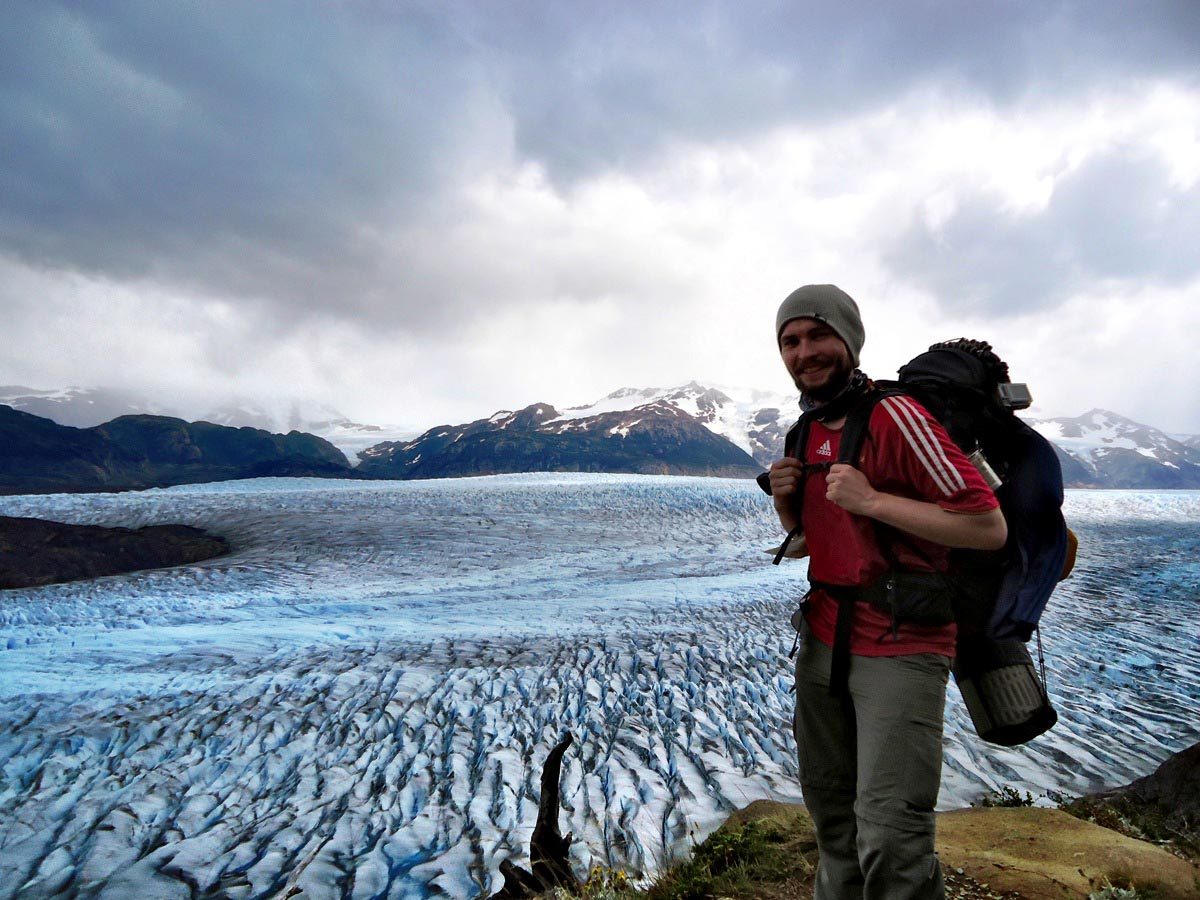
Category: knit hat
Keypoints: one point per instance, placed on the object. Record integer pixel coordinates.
(829, 304)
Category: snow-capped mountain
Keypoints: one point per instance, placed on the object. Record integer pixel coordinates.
(650, 438)
(1119, 452)
(752, 419)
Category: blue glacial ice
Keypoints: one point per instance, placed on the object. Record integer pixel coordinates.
(357, 700)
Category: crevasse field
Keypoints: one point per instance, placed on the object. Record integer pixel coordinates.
(358, 700)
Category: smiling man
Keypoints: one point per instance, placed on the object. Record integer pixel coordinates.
(877, 633)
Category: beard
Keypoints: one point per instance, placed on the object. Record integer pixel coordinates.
(838, 378)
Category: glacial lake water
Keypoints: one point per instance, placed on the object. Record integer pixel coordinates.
(357, 700)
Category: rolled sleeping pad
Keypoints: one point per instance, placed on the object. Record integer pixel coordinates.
(1005, 698)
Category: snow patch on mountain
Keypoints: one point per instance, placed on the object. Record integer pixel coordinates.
(754, 420)
(353, 437)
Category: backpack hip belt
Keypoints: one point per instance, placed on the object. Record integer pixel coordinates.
(923, 598)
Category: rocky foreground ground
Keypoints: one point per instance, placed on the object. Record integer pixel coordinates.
(993, 853)
(34, 552)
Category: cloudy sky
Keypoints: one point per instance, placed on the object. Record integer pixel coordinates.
(423, 212)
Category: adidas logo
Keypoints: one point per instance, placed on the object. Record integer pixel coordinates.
(824, 449)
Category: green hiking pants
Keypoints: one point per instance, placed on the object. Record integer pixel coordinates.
(870, 769)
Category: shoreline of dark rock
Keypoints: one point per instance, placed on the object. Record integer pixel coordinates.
(1163, 806)
(36, 552)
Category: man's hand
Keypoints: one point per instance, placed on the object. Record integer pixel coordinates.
(848, 488)
(785, 477)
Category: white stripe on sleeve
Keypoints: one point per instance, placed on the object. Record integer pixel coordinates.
(956, 479)
(919, 441)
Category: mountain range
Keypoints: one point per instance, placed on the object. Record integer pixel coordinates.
(88, 407)
(652, 438)
(38, 455)
(692, 429)
(1104, 449)
(1099, 449)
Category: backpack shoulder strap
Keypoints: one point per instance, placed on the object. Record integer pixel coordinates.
(854, 436)
(796, 438)
(858, 425)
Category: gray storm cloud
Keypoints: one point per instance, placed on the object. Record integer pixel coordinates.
(622, 83)
(312, 158)
(1117, 217)
(256, 151)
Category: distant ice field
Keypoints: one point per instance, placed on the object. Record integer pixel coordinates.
(358, 699)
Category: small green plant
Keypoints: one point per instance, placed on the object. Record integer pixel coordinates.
(734, 846)
(601, 884)
(1006, 796)
(726, 863)
(1111, 891)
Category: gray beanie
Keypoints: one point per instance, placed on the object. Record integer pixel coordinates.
(829, 304)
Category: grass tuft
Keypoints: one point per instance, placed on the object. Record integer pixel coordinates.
(1006, 796)
(763, 859)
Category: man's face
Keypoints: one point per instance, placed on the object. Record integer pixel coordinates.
(816, 358)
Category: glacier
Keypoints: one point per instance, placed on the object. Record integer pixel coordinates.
(356, 701)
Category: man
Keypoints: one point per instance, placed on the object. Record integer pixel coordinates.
(868, 725)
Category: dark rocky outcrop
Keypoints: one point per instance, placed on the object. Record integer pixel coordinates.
(549, 866)
(1163, 806)
(35, 551)
(132, 452)
(654, 439)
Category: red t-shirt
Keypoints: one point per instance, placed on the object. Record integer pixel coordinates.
(908, 453)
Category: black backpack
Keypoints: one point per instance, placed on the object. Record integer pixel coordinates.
(967, 388)
(996, 598)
